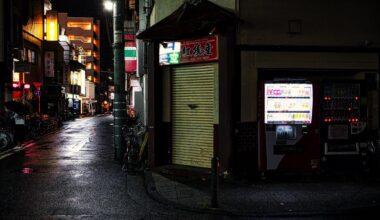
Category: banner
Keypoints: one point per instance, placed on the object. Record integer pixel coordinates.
(49, 64)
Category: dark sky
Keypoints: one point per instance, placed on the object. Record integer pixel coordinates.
(91, 8)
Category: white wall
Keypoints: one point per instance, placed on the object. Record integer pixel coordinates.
(324, 22)
(90, 90)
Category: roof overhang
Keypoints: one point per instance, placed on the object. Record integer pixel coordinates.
(190, 20)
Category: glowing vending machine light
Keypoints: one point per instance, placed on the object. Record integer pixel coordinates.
(288, 116)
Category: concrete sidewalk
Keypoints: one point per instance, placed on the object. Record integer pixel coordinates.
(301, 196)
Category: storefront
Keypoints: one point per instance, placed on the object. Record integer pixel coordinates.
(190, 93)
(73, 104)
(191, 87)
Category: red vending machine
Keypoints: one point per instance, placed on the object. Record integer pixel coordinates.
(290, 139)
(344, 123)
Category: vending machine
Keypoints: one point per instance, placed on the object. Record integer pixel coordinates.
(344, 125)
(290, 139)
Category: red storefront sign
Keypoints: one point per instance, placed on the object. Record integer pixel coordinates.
(189, 51)
(200, 50)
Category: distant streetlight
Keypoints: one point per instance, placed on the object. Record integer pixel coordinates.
(108, 5)
(119, 101)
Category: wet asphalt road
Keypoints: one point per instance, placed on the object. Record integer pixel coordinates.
(71, 174)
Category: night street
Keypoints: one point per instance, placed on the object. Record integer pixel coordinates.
(189, 109)
(71, 174)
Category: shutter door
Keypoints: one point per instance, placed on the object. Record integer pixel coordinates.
(193, 102)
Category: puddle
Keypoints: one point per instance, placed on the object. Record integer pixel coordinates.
(27, 170)
(45, 142)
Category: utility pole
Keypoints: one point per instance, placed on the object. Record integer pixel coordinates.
(119, 108)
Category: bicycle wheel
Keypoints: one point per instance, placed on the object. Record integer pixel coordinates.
(4, 140)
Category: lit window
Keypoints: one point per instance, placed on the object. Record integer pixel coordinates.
(31, 56)
(83, 25)
(16, 77)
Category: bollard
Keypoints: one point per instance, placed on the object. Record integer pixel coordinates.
(214, 182)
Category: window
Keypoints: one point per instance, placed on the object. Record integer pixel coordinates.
(32, 56)
(83, 25)
(29, 55)
(80, 38)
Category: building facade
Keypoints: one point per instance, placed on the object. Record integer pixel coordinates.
(321, 44)
(22, 37)
(2, 52)
(190, 84)
(268, 62)
(84, 32)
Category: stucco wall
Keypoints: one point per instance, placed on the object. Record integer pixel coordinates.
(324, 22)
(163, 8)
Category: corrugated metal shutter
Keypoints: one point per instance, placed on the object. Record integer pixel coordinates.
(193, 113)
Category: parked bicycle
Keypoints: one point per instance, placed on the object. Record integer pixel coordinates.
(6, 130)
(136, 138)
(37, 125)
(6, 138)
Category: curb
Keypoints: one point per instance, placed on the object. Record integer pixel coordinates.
(155, 195)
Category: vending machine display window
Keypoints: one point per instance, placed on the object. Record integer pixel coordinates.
(285, 132)
(288, 103)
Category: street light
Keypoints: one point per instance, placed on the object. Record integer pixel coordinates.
(108, 5)
(119, 102)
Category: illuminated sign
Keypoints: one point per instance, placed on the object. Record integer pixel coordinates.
(189, 51)
(16, 77)
(170, 53)
(130, 53)
(51, 26)
(288, 103)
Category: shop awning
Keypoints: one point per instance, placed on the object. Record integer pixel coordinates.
(192, 19)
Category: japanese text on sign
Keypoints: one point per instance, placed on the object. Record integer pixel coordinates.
(191, 51)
